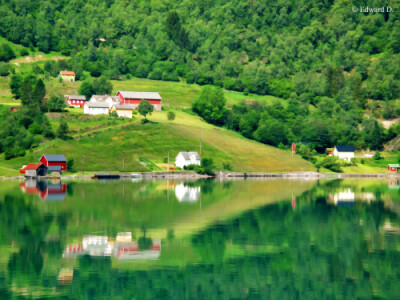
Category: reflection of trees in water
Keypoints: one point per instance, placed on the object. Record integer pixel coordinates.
(318, 251)
(24, 225)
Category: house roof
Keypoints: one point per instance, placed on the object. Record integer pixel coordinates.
(77, 97)
(55, 157)
(103, 98)
(140, 95)
(394, 165)
(186, 155)
(67, 73)
(345, 148)
(123, 106)
(54, 168)
(98, 104)
(33, 166)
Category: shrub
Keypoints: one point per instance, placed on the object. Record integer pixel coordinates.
(377, 156)
(331, 163)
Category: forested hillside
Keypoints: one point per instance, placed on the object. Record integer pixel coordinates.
(337, 68)
(313, 48)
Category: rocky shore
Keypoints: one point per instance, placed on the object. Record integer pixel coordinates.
(221, 176)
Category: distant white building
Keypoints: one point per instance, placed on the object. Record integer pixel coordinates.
(96, 108)
(344, 152)
(100, 104)
(187, 158)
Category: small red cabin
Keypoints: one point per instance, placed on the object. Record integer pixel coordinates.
(76, 100)
(393, 167)
(54, 160)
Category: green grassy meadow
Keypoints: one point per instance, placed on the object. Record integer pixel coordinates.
(126, 146)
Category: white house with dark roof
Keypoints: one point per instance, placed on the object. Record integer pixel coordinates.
(187, 158)
(344, 152)
(134, 98)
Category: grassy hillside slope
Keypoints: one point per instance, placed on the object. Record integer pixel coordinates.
(129, 146)
(175, 95)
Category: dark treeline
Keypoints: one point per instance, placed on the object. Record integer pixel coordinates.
(311, 48)
(26, 126)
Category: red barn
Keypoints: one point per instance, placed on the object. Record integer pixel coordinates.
(54, 160)
(134, 98)
(76, 100)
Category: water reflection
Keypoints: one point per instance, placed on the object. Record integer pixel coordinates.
(245, 241)
(53, 190)
(348, 197)
(187, 193)
(122, 248)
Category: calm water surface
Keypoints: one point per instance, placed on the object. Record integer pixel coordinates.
(269, 239)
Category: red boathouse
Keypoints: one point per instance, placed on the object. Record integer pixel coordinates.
(134, 98)
(54, 160)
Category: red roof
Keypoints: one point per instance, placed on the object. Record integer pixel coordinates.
(67, 73)
(32, 166)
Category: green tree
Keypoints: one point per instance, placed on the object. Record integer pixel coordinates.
(27, 90)
(210, 105)
(171, 116)
(62, 130)
(70, 164)
(4, 69)
(39, 93)
(86, 89)
(102, 86)
(15, 85)
(145, 108)
(6, 52)
(56, 103)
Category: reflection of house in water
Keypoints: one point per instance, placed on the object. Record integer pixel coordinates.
(347, 197)
(186, 193)
(73, 250)
(122, 248)
(95, 245)
(65, 276)
(393, 184)
(45, 190)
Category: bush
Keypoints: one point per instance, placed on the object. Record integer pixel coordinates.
(377, 156)
(171, 116)
(206, 167)
(4, 69)
(227, 166)
(330, 163)
(24, 52)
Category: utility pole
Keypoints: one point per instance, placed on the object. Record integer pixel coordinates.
(201, 138)
(123, 163)
(168, 163)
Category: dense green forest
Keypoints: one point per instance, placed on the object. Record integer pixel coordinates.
(338, 68)
(315, 48)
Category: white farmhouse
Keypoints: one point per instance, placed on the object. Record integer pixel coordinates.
(96, 108)
(344, 152)
(187, 158)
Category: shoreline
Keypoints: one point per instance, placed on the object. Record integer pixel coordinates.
(218, 175)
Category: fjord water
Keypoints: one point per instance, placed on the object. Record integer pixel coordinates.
(245, 239)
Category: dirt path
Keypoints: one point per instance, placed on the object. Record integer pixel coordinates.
(30, 59)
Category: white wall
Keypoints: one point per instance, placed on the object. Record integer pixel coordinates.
(180, 161)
